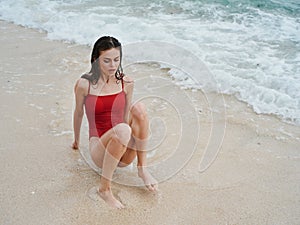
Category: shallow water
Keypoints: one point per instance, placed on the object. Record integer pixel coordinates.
(252, 48)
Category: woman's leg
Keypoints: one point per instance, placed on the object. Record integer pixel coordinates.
(107, 154)
(139, 124)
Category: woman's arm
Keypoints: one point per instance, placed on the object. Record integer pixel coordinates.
(128, 88)
(80, 90)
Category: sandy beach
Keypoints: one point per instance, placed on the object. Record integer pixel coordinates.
(253, 180)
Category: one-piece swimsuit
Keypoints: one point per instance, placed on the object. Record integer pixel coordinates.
(104, 111)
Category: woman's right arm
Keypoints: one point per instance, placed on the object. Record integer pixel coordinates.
(80, 90)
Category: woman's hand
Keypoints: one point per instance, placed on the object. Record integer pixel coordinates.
(75, 145)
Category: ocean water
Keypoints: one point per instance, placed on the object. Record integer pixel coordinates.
(251, 47)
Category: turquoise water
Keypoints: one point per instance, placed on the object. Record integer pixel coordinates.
(251, 47)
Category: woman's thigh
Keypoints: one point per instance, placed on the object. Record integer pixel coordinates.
(98, 145)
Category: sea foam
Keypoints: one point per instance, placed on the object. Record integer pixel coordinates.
(252, 49)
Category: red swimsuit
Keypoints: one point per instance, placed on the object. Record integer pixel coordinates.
(104, 112)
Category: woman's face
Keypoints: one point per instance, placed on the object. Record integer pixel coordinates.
(109, 61)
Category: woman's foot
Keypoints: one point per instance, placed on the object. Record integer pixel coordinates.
(109, 198)
(148, 179)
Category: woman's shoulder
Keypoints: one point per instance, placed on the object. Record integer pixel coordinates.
(128, 84)
(82, 85)
(128, 79)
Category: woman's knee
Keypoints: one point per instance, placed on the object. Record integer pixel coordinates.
(138, 111)
(122, 133)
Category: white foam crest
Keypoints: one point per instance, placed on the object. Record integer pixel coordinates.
(28, 13)
(253, 54)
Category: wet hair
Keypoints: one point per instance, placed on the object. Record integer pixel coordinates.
(102, 44)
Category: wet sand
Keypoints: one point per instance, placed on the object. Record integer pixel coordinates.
(253, 180)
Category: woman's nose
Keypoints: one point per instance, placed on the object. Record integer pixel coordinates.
(114, 64)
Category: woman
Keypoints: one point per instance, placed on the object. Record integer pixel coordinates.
(118, 131)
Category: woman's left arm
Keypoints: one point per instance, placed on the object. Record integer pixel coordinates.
(128, 88)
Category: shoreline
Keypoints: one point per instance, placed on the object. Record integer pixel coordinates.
(87, 49)
(253, 180)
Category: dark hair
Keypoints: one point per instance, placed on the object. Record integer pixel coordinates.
(102, 44)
